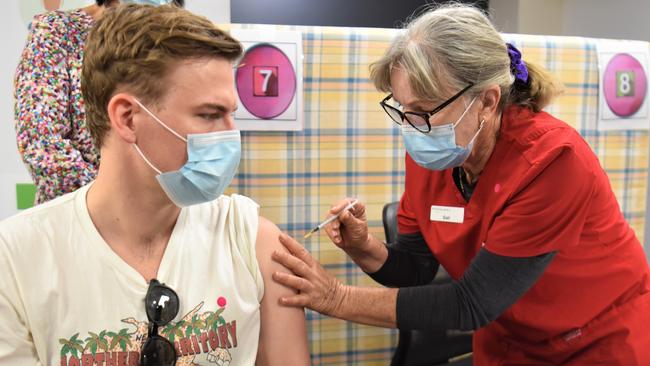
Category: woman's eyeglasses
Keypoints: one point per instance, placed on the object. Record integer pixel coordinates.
(419, 121)
(161, 304)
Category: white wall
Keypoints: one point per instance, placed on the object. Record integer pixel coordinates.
(620, 19)
(527, 17)
(216, 10)
(541, 17)
(505, 15)
(14, 18)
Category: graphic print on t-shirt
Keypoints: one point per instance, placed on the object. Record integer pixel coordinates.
(199, 339)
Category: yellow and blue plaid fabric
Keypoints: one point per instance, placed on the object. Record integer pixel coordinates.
(350, 148)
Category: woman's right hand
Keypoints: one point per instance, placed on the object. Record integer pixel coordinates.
(350, 231)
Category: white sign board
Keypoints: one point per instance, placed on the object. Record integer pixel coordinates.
(269, 80)
(623, 85)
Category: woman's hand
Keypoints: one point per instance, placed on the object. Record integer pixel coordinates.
(318, 290)
(321, 292)
(350, 231)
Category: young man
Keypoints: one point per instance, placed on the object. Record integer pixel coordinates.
(150, 264)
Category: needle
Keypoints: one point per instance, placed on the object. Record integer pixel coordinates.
(330, 219)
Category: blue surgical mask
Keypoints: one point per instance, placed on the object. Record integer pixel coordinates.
(212, 160)
(437, 149)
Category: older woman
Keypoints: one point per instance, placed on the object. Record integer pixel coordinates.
(51, 130)
(509, 200)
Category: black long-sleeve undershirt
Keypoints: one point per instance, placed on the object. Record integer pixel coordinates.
(490, 285)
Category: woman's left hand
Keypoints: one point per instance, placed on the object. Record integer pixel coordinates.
(318, 290)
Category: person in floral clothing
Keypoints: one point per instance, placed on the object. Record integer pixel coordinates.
(51, 131)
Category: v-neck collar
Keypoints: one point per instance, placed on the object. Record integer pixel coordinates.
(466, 189)
(104, 250)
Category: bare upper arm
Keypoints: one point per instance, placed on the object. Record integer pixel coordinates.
(277, 319)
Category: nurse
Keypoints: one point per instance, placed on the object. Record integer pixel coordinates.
(511, 201)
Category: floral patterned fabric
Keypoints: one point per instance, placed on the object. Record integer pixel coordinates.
(49, 112)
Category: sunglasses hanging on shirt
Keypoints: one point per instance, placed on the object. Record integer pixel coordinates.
(162, 305)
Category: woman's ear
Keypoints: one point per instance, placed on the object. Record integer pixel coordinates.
(121, 110)
(490, 101)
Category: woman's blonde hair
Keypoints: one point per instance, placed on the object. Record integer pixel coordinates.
(133, 47)
(449, 47)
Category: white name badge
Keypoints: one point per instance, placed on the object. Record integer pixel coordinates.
(447, 214)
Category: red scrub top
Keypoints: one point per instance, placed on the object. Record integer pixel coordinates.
(543, 190)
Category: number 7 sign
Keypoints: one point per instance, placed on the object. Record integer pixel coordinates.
(268, 80)
(265, 81)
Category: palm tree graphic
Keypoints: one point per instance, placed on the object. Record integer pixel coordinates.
(213, 319)
(196, 324)
(96, 341)
(174, 330)
(122, 338)
(73, 346)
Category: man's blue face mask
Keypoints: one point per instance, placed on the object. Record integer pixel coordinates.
(212, 161)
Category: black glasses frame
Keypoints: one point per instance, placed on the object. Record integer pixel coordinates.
(425, 116)
(162, 306)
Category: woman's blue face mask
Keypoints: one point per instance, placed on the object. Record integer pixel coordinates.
(437, 149)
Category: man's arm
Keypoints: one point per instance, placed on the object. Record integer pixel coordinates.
(283, 335)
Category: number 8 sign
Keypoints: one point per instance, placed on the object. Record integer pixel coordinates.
(624, 85)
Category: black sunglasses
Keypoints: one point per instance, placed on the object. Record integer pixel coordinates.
(161, 304)
(419, 121)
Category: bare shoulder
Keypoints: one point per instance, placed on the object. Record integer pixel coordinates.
(268, 241)
(277, 319)
(268, 235)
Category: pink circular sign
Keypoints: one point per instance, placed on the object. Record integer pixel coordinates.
(266, 81)
(624, 85)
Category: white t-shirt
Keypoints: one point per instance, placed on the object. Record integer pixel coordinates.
(67, 299)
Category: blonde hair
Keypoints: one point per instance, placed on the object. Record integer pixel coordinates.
(449, 47)
(132, 47)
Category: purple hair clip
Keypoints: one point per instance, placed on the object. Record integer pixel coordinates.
(517, 66)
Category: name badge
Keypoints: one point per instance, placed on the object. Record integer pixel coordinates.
(447, 214)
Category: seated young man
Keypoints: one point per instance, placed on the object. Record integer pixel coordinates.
(150, 264)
